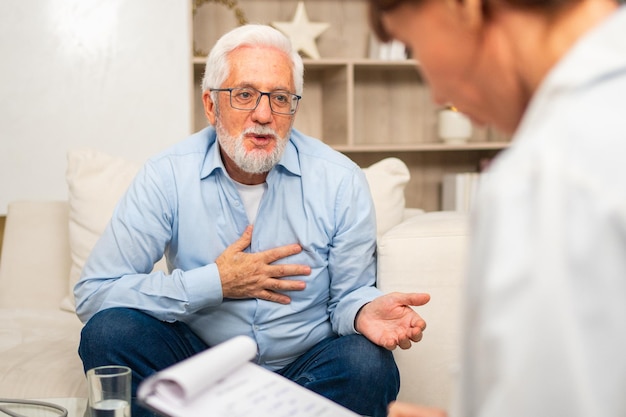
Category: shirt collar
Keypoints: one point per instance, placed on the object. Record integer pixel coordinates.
(213, 161)
(597, 54)
(591, 59)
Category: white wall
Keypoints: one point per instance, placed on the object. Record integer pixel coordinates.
(114, 75)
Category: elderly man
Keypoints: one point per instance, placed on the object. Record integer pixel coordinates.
(267, 233)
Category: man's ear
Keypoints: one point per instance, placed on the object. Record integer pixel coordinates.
(210, 107)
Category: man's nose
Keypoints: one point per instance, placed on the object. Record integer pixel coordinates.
(263, 111)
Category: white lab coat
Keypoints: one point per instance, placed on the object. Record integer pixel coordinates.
(545, 322)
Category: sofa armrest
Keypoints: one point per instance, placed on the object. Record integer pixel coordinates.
(426, 253)
(35, 261)
(411, 212)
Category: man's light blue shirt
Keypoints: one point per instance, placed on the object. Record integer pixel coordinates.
(183, 205)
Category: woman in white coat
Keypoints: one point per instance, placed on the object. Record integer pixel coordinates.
(545, 318)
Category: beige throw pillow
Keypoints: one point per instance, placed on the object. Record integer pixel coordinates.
(387, 179)
(96, 182)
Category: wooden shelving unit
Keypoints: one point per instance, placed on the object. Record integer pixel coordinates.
(368, 109)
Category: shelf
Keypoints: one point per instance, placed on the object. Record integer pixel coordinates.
(329, 62)
(360, 62)
(368, 109)
(425, 147)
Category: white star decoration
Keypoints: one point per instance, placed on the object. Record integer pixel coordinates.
(301, 32)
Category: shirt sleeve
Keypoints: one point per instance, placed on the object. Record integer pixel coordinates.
(119, 271)
(352, 258)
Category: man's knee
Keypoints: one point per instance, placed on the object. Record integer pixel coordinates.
(115, 324)
(124, 336)
(369, 362)
(361, 376)
(111, 332)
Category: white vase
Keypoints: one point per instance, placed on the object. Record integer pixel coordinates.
(454, 127)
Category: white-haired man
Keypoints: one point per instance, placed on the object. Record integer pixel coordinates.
(267, 233)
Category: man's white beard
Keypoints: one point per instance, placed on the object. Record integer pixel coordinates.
(256, 161)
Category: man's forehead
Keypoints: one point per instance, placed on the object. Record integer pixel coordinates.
(256, 65)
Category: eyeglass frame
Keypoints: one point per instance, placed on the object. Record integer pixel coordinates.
(258, 100)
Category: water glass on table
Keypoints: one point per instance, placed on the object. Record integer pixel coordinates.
(109, 391)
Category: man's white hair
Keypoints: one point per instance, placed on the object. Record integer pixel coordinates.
(217, 66)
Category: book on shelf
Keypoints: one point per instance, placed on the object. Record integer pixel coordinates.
(222, 382)
(459, 191)
(386, 51)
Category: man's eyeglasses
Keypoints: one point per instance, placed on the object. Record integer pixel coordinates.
(248, 98)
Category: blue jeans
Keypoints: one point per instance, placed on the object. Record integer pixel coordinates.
(349, 370)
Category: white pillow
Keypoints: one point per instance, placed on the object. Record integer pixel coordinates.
(96, 182)
(387, 179)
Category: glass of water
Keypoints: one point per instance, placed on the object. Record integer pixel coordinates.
(109, 391)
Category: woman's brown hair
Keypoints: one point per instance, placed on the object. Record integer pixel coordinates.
(379, 7)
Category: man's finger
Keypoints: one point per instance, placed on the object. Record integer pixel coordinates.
(413, 299)
(286, 285)
(244, 240)
(275, 297)
(287, 270)
(274, 254)
(404, 344)
(418, 337)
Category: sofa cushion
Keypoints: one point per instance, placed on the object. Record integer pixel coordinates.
(35, 246)
(427, 253)
(38, 354)
(96, 181)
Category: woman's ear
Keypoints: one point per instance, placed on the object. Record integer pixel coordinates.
(472, 12)
(210, 108)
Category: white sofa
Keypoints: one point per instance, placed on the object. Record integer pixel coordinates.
(39, 333)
